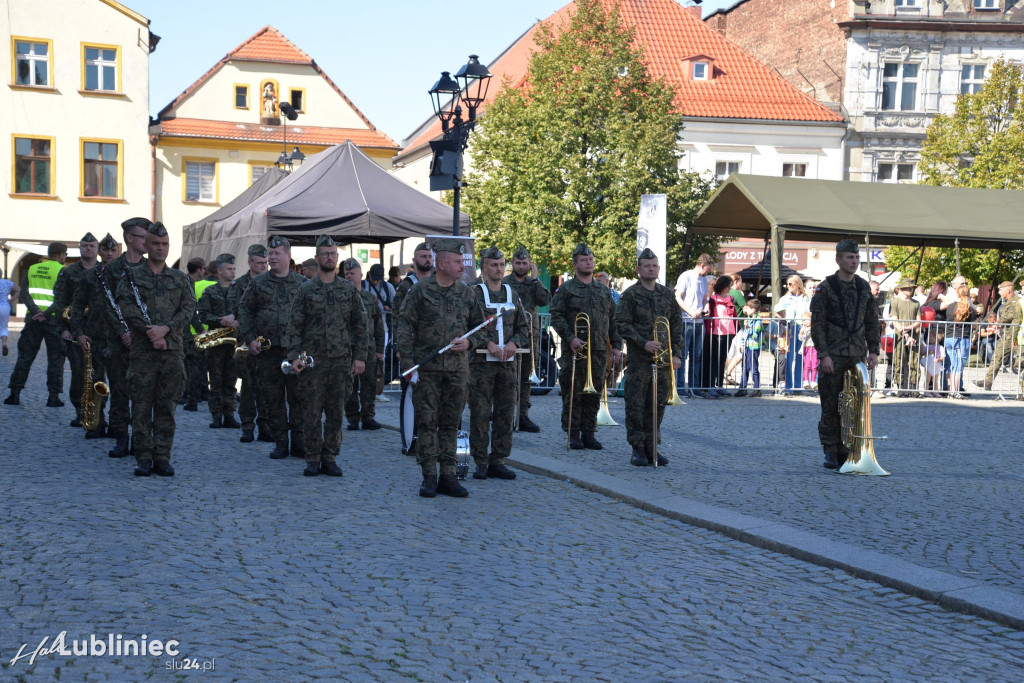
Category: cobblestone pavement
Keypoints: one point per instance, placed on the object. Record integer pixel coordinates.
(272, 576)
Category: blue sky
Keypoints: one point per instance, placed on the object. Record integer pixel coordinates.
(384, 55)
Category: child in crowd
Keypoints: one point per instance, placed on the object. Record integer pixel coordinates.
(735, 357)
(753, 333)
(810, 354)
(932, 356)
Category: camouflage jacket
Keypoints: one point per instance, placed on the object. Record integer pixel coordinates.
(236, 291)
(112, 274)
(266, 307)
(374, 323)
(431, 317)
(327, 320)
(575, 297)
(402, 291)
(213, 305)
(513, 322)
(530, 291)
(844, 319)
(170, 300)
(69, 281)
(1009, 313)
(634, 318)
(89, 295)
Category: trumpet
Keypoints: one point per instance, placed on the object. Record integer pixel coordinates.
(220, 336)
(307, 360)
(581, 329)
(243, 350)
(534, 378)
(662, 358)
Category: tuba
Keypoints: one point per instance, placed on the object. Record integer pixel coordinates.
(661, 359)
(216, 337)
(93, 394)
(855, 424)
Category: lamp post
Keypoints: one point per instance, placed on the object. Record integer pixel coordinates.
(286, 160)
(470, 87)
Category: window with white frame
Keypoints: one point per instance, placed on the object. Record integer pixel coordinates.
(31, 63)
(899, 86)
(794, 170)
(986, 4)
(100, 68)
(904, 3)
(724, 169)
(972, 76)
(890, 172)
(701, 71)
(200, 181)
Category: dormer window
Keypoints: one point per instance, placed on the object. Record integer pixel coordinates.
(701, 71)
(986, 4)
(700, 67)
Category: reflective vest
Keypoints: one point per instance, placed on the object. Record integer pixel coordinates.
(41, 278)
(200, 286)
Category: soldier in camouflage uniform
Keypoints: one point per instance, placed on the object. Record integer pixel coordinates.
(1010, 316)
(264, 312)
(157, 301)
(196, 379)
(88, 321)
(362, 397)
(583, 294)
(494, 376)
(422, 264)
(252, 409)
(69, 280)
(220, 359)
(437, 311)
(845, 330)
(327, 322)
(635, 314)
(533, 294)
(119, 336)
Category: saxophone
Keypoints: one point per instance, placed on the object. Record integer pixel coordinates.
(214, 337)
(93, 394)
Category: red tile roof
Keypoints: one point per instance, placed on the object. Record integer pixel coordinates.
(669, 33)
(297, 134)
(268, 45)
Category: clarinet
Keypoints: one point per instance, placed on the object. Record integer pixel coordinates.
(110, 297)
(135, 293)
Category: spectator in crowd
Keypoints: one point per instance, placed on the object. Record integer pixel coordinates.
(978, 308)
(932, 354)
(810, 354)
(794, 304)
(877, 294)
(9, 292)
(959, 329)
(692, 297)
(988, 335)
(906, 352)
(737, 293)
(753, 340)
(308, 268)
(920, 295)
(885, 353)
(606, 280)
(394, 276)
(719, 329)
(778, 345)
(935, 299)
(1009, 319)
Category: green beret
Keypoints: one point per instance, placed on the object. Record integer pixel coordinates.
(257, 250)
(422, 246)
(492, 253)
(88, 238)
(325, 241)
(646, 254)
(351, 264)
(848, 245)
(157, 229)
(522, 254)
(226, 258)
(108, 242)
(452, 245)
(136, 222)
(276, 241)
(581, 250)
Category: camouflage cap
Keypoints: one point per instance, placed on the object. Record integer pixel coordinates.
(226, 258)
(108, 242)
(88, 238)
(325, 241)
(451, 245)
(1005, 283)
(646, 254)
(157, 230)
(522, 254)
(137, 222)
(257, 250)
(848, 245)
(276, 241)
(422, 246)
(351, 264)
(906, 283)
(491, 253)
(581, 250)
(309, 263)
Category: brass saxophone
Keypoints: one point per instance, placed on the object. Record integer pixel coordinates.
(93, 394)
(216, 337)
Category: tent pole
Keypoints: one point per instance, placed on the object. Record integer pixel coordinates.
(767, 238)
(867, 248)
(920, 260)
(956, 244)
(993, 292)
(778, 237)
(901, 264)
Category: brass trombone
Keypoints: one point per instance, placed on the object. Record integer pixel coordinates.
(660, 359)
(534, 377)
(604, 418)
(581, 329)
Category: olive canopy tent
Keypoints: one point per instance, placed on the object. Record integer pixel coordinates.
(773, 209)
(340, 192)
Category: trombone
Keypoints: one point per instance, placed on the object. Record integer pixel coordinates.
(661, 358)
(604, 418)
(534, 377)
(581, 329)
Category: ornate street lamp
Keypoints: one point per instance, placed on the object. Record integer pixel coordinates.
(286, 161)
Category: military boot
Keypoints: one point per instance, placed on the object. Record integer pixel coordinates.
(144, 468)
(298, 449)
(163, 468)
(247, 436)
(831, 460)
(280, 451)
(191, 407)
(312, 469)
(449, 485)
(574, 442)
(331, 469)
(481, 471)
(527, 425)
(230, 422)
(265, 435)
(120, 449)
(428, 489)
(216, 422)
(500, 471)
(590, 441)
(98, 433)
(371, 424)
(54, 401)
(14, 399)
(639, 458)
(649, 453)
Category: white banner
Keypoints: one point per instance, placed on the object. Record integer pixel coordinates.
(651, 228)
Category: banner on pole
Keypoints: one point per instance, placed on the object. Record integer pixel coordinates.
(651, 229)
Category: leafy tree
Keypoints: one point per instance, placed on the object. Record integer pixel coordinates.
(981, 144)
(564, 156)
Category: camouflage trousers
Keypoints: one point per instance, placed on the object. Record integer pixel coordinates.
(157, 379)
(525, 368)
(220, 363)
(32, 337)
(324, 388)
(195, 373)
(638, 396)
(362, 395)
(492, 408)
(584, 406)
(76, 359)
(280, 396)
(905, 360)
(1002, 355)
(252, 404)
(829, 387)
(117, 373)
(438, 399)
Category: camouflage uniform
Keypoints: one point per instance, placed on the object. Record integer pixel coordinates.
(594, 299)
(634, 319)
(220, 359)
(845, 327)
(431, 317)
(89, 296)
(532, 294)
(32, 336)
(117, 360)
(492, 384)
(197, 380)
(69, 281)
(1010, 316)
(328, 322)
(156, 377)
(252, 405)
(905, 357)
(264, 311)
(362, 397)
(402, 290)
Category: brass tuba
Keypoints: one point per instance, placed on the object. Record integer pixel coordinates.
(215, 337)
(93, 394)
(662, 358)
(855, 424)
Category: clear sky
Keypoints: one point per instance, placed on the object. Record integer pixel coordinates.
(383, 54)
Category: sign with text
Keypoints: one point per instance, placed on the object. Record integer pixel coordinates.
(730, 260)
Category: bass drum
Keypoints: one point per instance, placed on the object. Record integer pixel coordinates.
(407, 420)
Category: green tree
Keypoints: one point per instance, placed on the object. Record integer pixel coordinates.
(564, 156)
(981, 144)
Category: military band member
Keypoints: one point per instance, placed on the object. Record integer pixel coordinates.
(533, 294)
(69, 280)
(362, 398)
(308, 268)
(494, 376)
(422, 264)
(196, 379)
(437, 311)
(638, 308)
(846, 331)
(157, 372)
(583, 294)
(264, 312)
(252, 410)
(220, 359)
(327, 322)
(119, 336)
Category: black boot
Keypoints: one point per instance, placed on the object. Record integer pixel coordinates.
(312, 469)
(298, 450)
(120, 449)
(330, 469)
(230, 422)
(98, 433)
(590, 441)
(575, 443)
(353, 425)
(247, 436)
(371, 424)
(527, 425)
(77, 422)
(449, 485)
(143, 468)
(14, 399)
(639, 458)
(265, 435)
(500, 471)
(831, 460)
(216, 422)
(191, 406)
(163, 468)
(54, 401)
(280, 451)
(481, 471)
(649, 452)
(428, 489)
